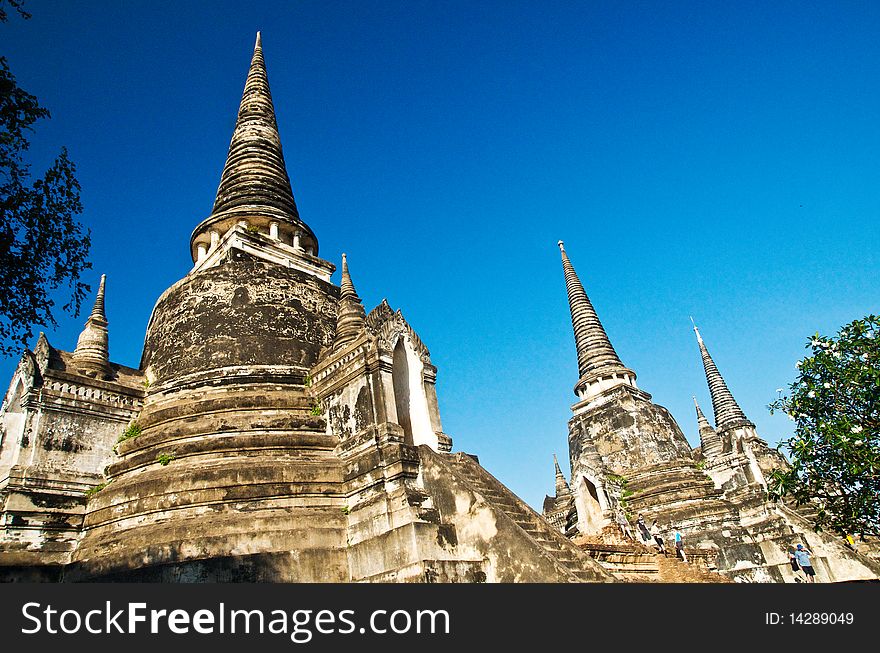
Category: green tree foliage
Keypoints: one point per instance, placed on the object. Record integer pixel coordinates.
(42, 246)
(835, 450)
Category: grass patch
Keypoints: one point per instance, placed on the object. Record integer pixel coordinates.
(132, 431)
(94, 490)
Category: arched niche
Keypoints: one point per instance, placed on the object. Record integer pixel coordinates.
(410, 400)
(12, 421)
(13, 405)
(400, 380)
(591, 504)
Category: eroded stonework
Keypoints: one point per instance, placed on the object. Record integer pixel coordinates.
(629, 458)
(274, 430)
(277, 432)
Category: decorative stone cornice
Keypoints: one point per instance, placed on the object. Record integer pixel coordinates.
(388, 325)
(378, 315)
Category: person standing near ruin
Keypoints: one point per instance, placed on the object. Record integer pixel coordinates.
(795, 567)
(803, 559)
(658, 538)
(623, 522)
(679, 545)
(643, 529)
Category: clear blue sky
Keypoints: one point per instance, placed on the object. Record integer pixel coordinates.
(710, 159)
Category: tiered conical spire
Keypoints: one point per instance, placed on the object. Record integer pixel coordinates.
(562, 487)
(727, 411)
(254, 179)
(350, 315)
(92, 356)
(710, 441)
(596, 356)
(98, 309)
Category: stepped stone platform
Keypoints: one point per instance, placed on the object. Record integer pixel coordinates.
(635, 562)
(512, 518)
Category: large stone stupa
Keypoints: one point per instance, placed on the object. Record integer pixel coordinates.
(274, 430)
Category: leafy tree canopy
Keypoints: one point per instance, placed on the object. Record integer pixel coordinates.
(42, 246)
(835, 450)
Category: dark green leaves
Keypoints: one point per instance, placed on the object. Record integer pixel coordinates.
(42, 246)
(835, 449)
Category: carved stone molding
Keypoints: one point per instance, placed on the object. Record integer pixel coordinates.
(389, 325)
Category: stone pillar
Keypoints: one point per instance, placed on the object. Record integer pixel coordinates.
(202, 252)
(429, 378)
(243, 224)
(296, 238)
(215, 238)
(386, 384)
(273, 230)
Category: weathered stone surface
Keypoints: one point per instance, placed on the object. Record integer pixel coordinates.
(57, 425)
(517, 544)
(629, 458)
(627, 430)
(239, 314)
(275, 431)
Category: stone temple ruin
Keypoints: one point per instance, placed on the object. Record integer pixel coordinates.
(276, 431)
(629, 455)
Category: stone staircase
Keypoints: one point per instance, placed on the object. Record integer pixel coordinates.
(635, 562)
(673, 570)
(554, 543)
(628, 562)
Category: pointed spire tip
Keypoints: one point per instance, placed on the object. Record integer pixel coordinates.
(697, 331)
(259, 41)
(98, 308)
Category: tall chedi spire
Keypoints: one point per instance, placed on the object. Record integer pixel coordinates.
(710, 441)
(255, 176)
(350, 315)
(92, 356)
(597, 360)
(254, 187)
(727, 411)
